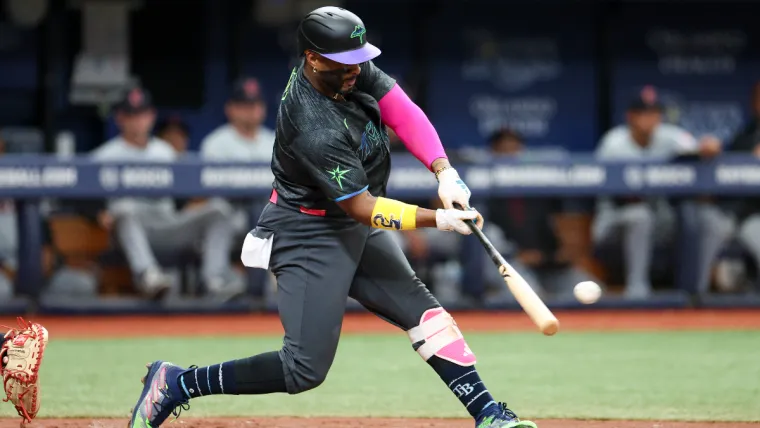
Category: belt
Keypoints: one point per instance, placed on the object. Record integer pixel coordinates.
(309, 211)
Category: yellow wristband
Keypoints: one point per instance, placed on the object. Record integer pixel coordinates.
(393, 215)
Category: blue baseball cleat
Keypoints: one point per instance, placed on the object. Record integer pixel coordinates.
(160, 397)
(498, 415)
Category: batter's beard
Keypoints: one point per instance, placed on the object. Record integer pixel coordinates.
(334, 81)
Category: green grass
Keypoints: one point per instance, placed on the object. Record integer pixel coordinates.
(686, 375)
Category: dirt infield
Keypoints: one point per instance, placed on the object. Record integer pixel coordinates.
(136, 326)
(363, 323)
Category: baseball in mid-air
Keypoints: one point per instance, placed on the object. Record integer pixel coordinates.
(587, 292)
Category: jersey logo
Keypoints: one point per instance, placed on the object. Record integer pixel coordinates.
(359, 32)
(380, 220)
(370, 140)
(337, 175)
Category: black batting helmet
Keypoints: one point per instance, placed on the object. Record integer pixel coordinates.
(336, 34)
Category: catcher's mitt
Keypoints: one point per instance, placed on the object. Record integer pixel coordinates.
(21, 354)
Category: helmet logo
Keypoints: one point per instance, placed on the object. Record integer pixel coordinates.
(359, 32)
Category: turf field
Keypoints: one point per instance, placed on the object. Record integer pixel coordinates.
(589, 371)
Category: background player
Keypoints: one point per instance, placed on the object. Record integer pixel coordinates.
(325, 233)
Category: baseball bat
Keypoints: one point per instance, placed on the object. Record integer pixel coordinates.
(523, 292)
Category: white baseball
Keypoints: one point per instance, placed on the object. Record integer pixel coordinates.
(587, 292)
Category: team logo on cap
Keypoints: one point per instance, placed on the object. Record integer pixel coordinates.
(251, 87)
(359, 32)
(649, 94)
(135, 97)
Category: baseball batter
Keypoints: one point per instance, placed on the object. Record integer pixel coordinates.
(326, 233)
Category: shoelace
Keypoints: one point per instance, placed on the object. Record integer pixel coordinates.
(180, 406)
(504, 409)
(185, 405)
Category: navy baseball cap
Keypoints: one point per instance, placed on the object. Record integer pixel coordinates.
(646, 100)
(246, 90)
(170, 121)
(136, 100)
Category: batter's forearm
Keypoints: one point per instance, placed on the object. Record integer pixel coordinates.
(396, 215)
(385, 213)
(440, 163)
(426, 218)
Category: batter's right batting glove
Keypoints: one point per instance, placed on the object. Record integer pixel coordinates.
(453, 219)
(21, 354)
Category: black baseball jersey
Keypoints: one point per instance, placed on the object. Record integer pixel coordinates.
(329, 150)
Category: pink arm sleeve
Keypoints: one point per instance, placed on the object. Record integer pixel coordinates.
(412, 126)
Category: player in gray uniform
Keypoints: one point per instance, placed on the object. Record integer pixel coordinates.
(143, 226)
(326, 233)
(639, 223)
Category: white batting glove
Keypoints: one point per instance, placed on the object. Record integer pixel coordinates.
(452, 189)
(453, 219)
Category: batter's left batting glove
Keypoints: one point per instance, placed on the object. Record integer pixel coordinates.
(21, 354)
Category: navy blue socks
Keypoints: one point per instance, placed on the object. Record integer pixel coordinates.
(465, 383)
(261, 374)
(210, 380)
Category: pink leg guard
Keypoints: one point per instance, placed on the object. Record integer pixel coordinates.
(442, 338)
